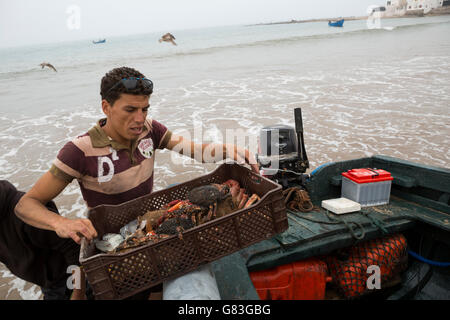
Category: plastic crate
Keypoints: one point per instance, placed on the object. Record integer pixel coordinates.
(368, 187)
(122, 275)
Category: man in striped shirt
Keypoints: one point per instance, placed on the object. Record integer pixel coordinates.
(113, 162)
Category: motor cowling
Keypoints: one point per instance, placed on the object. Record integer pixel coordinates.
(277, 143)
(281, 152)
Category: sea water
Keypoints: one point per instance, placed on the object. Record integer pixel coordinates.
(362, 92)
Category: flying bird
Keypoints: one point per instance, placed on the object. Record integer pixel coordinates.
(168, 37)
(46, 64)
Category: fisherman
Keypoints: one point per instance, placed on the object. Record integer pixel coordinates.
(168, 37)
(113, 162)
(46, 64)
(35, 255)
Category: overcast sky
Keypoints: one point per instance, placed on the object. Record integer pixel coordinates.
(25, 22)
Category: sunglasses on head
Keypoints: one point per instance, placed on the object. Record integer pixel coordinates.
(131, 83)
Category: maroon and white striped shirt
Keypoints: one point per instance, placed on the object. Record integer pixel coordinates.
(109, 172)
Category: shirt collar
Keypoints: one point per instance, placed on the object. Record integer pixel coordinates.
(100, 139)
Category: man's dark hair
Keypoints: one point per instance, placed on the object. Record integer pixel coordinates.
(115, 75)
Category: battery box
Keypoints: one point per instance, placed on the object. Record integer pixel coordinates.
(368, 187)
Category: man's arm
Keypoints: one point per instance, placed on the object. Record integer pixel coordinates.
(211, 152)
(31, 209)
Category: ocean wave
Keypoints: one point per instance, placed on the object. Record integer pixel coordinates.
(17, 73)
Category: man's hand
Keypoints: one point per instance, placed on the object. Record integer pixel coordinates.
(242, 156)
(75, 229)
(31, 209)
(211, 152)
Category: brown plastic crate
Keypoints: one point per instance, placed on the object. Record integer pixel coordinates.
(123, 275)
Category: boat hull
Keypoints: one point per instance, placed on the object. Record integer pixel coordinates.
(418, 208)
(339, 23)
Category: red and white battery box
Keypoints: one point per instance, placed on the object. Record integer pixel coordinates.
(368, 187)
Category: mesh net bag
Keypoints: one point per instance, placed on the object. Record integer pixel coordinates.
(349, 267)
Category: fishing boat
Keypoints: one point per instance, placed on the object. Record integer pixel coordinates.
(338, 23)
(292, 266)
(99, 41)
(319, 255)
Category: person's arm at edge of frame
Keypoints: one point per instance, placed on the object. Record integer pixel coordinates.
(31, 209)
(196, 151)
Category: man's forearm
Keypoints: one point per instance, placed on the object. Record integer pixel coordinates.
(205, 153)
(212, 152)
(34, 213)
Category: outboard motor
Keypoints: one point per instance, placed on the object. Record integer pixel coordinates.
(281, 153)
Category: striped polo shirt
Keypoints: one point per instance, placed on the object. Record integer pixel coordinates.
(109, 172)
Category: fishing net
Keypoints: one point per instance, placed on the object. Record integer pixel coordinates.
(349, 268)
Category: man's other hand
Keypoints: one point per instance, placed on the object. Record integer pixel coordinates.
(75, 229)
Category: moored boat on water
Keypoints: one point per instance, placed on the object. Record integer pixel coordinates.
(338, 23)
(99, 41)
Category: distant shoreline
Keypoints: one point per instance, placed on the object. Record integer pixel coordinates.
(308, 20)
(436, 12)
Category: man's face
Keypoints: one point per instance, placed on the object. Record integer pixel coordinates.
(126, 117)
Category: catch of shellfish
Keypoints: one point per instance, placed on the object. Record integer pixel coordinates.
(202, 204)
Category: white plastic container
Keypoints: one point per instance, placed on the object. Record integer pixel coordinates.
(341, 205)
(368, 187)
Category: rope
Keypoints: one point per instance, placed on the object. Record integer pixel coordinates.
(431, 262)
(335, 221)
(297, 199)
(347, 224)
(376, 222)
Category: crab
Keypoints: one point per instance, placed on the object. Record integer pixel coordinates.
(180, 217)
(221, 199)
(208, 198)
(175, 225)
(239, 195)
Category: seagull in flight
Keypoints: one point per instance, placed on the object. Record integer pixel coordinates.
(46, 64)
(168, 37)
